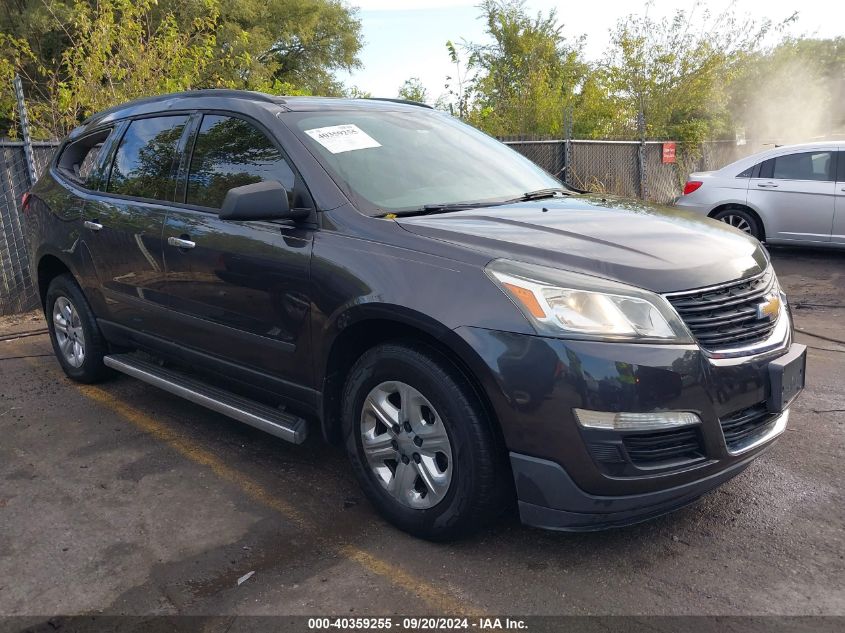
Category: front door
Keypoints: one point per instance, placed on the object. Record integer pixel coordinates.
(795, 195)
(123, 223)
(240, 290)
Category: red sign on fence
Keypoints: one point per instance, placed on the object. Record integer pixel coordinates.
(668, 152)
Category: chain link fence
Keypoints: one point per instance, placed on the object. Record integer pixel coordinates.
(17, 286)
(610, 167)
(551, 155)
(632, 169)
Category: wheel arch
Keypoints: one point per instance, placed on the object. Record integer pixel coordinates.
(49, 267)
(742, 207)
(369, 326)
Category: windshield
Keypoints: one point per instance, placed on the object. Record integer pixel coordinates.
(395, 161)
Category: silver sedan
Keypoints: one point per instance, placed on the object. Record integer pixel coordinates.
(793, 194)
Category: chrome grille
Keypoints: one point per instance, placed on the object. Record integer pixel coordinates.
(726, 315)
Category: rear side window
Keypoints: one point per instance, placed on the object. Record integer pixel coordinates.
(804, 166)
(78, 160)
(144, 162)
(840, 159)
(230, 152)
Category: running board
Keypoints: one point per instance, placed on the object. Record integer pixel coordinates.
(273, 421)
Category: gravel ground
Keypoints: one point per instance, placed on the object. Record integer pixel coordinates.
(121, 499)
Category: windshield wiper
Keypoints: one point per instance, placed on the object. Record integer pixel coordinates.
(539, 194)
(454, 206)
(443, 207)
(446, 207)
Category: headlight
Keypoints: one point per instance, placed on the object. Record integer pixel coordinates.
(562, 303)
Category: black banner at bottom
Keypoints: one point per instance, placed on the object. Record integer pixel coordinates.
(399, 623)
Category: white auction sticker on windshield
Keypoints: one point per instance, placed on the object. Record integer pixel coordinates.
(342, 138)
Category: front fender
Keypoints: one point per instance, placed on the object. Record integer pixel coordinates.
(358, 279)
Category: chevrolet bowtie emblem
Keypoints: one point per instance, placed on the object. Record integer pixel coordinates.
(769, 309)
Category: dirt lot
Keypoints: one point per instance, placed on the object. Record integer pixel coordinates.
(122, 499)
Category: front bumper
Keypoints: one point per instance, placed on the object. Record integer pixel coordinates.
(549, 499)
(572, 478)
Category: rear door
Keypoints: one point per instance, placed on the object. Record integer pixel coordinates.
(123, 224)
(838, 235)
(240, 290)
(795, 195)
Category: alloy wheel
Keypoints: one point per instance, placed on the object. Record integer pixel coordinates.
(406, 445)
(737, 222)
(69, 333)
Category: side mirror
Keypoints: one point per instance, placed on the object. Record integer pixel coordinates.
(267, 200)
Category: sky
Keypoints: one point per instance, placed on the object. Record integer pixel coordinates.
(407, 38)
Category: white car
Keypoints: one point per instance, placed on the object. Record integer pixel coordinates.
(793, 194)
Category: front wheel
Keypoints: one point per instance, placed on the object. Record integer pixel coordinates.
(420, 442)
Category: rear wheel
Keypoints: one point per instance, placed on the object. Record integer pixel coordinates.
(420, 442)
(742, 220)
(77, 342)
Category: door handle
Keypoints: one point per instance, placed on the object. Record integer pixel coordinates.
(92, 225)
(178, 242)
(766, 184)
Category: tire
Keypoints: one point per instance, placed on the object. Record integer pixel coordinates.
(73, 327)
(741, 219)
(440, 403)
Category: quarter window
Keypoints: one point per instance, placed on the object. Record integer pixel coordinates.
(804, 166)
(78, 160)
(228, 153)
(144, 162)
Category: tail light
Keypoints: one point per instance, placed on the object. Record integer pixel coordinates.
(25, 201)
(691, 186)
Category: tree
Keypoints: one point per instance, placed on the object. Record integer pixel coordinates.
(116, 52)
(527, 76)
(354, 92)
(295, 42)
(413, 90)
(42, 25)
(459, 89)
(78, 56)
(676, 71)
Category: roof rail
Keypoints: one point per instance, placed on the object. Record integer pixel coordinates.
(405, 101)
(188, 94)
(208, 92)
(230, 92)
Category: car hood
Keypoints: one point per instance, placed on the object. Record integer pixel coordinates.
(658, 248)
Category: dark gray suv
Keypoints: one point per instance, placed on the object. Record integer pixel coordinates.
(381, 274)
